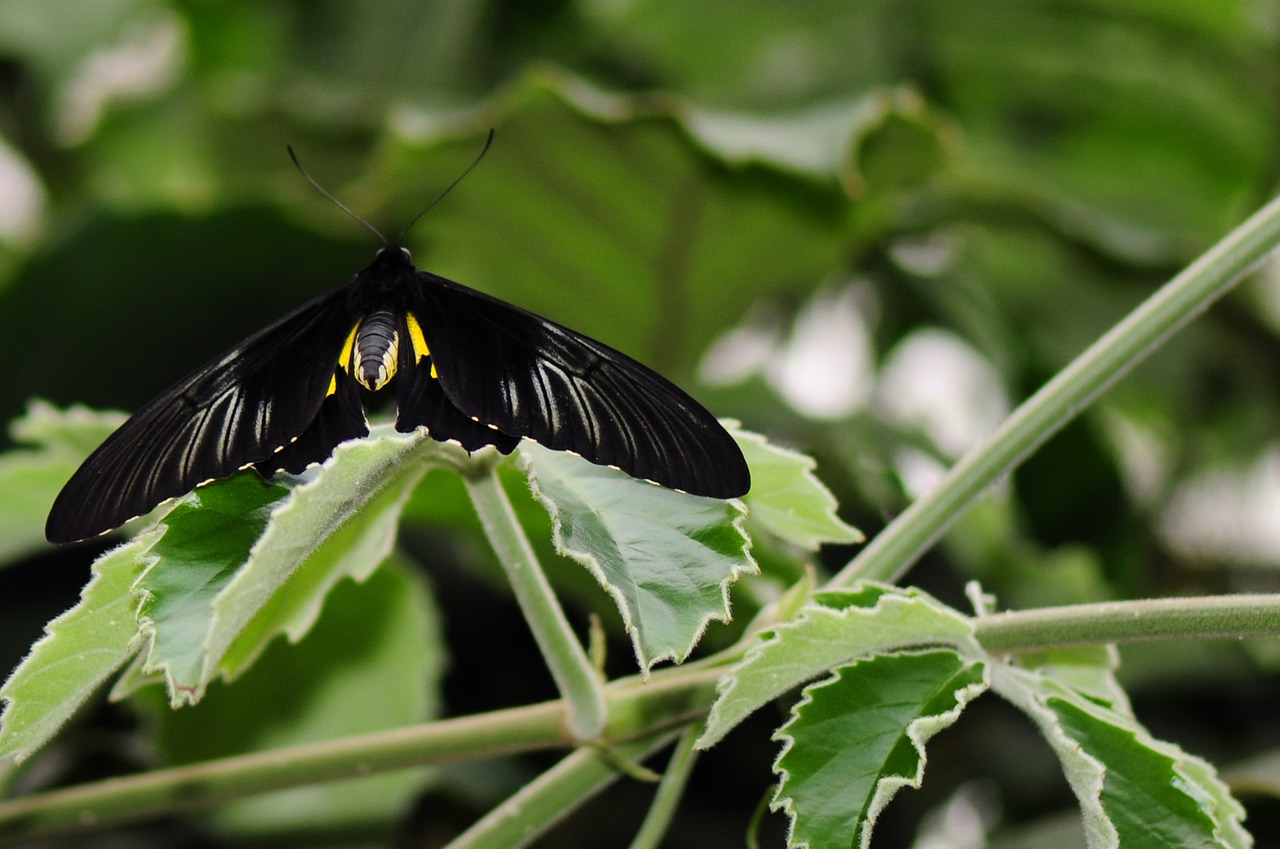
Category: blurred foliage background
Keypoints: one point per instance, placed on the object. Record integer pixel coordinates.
(865, 228)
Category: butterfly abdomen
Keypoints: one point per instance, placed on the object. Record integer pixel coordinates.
(375, 350)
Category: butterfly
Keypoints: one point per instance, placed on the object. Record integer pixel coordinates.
(465, 365)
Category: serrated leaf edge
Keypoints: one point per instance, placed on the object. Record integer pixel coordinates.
(413, 443)
(285, 505)
(966, 644)
(1088, 777)
(296, 630)
(147, 560)
(808, 471)
(748, 566)
(918, 731)
(50, 633)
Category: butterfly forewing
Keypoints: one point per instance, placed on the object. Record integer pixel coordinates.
(528, 376)
(232, 412)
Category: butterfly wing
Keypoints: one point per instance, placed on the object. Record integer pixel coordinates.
(235, 411)
(527, 376)
(420, 402)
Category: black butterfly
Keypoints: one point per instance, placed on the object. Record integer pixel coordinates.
(464, 365)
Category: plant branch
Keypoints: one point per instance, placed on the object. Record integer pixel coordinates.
(199, 785)
(574, 674)
(1207, 617)
(637, 709)
(1184, 297)
(670, 791)
(668, 699)
(554, 795)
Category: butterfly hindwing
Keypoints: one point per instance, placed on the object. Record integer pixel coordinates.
(235, 411)
(341, 417)
(530, 377)
(420, 402)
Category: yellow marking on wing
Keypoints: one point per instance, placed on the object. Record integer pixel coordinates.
(419, 341)
(344, 360)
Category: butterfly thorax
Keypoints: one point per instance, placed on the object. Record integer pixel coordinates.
(372, 350)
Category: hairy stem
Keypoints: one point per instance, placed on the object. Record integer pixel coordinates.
(553, 795)
(637, 708)
(1060, 400)
(1208, 617)
(574, 674)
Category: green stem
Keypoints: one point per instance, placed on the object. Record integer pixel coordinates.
(896, 548)
(669, 698)
(572, 670)
(197, 785)
(1210, 617)
(554, 795)
(670, 791)
(637, 708)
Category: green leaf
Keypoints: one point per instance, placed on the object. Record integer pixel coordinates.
(76, 430)
(1110, 132)
(833, 630)
(373, 662)
(752, 56)
(667, 558)
(857, 737)
(31, 477)
(787, 500)
(1086, 670)
(207, 537)
(80, 649)
(29, 481)
(343, 522)
(1133, 790)
(221, 587)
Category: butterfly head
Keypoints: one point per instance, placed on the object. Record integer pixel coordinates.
(398, 253)
(391, 260)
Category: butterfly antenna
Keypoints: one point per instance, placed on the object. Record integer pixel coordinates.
(322, 190)
(487, 142)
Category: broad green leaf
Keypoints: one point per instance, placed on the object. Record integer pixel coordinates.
(667, 558)
(342, 522)
(787, 500)
(1133, 790)
(857, 737)
(207, 537)
(832, 631)
(1109, 132)
(1148, 144)
(31, 477)
(778, 56)
(76, 430)
(29, 481)
(220, 588)
(80, 649)
(374, 661)
(810, 140)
